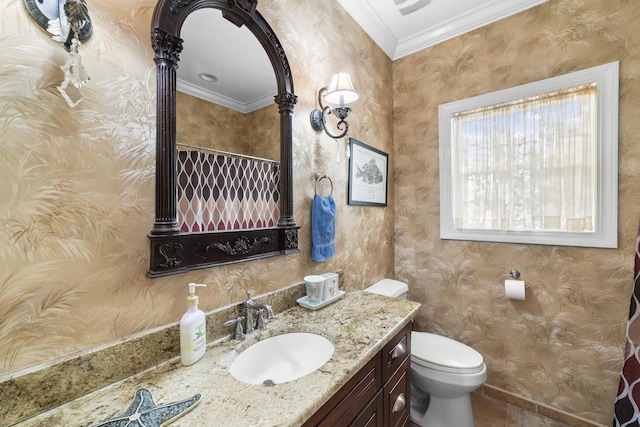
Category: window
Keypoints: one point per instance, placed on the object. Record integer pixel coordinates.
(537, 163)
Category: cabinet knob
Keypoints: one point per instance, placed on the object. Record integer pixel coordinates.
(398, 351)
(399, 404)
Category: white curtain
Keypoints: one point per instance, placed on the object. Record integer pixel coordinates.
(529, 164)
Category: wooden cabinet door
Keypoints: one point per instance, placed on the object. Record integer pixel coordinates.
(372, 415)
(347, 403)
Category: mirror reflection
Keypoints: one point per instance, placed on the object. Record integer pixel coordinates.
(225, 91)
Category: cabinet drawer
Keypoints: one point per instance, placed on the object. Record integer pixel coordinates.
(395, 352)
(396, 399)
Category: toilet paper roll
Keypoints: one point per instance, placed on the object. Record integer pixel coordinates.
(514, 289)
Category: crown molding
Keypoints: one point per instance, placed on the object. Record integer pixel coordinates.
(216, 98)
(370, 21)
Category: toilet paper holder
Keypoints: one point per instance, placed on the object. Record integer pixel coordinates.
(514, 274)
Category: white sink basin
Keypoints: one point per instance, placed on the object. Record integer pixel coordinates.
(281, 358)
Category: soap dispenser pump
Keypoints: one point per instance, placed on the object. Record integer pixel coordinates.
(193, 331)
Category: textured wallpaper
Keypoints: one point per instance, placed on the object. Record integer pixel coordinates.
(77, 193)
(563, 346)
(206, 124)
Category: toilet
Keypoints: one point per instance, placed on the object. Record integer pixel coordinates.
(443, 372)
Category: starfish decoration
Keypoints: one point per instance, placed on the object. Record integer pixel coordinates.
(143, 412)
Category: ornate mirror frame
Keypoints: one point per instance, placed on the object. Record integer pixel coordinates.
(175, 252)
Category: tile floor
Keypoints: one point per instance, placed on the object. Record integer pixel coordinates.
(490, 412)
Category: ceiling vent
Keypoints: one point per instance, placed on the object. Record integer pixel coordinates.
(406, 9)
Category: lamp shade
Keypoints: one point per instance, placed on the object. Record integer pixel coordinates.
(341, 90)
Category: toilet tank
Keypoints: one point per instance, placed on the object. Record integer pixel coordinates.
(389, 288)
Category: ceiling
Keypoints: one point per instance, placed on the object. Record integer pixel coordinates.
(403, 27)
(246, 81)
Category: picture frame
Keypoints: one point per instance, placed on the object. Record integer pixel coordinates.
(368, 175)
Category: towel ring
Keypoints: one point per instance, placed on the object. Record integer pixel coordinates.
(320, 177)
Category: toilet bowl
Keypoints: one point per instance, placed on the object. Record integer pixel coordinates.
(442, 375)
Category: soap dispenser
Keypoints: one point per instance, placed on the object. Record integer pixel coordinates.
(193, 331)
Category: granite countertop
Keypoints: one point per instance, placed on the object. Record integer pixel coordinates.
(359, 325)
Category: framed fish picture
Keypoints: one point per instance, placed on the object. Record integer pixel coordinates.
(368, 175)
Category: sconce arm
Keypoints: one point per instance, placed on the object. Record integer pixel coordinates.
(319, 117)
(321, 92)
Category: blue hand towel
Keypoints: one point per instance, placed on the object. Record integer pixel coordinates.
(323, 228)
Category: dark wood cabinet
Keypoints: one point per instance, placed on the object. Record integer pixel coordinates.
(378, 395)
(396, 397)
(372, 415)
(396, 357)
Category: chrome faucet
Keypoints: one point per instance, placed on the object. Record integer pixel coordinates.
(250, 306)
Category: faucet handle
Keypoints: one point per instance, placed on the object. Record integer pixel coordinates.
(249, 292)
(238, 333)
(260, 321)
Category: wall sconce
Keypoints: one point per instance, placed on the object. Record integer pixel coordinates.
(340, 92)
(68, 22)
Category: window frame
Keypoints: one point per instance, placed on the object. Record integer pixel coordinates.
(605, 235)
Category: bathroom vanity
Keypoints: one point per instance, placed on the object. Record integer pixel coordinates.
(378, 395)
(365, 381)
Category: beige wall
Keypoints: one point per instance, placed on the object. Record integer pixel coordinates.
(205, 124)
(77, 194)
(563, 346)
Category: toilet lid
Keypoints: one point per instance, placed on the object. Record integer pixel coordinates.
(389, 288)
(438, 352)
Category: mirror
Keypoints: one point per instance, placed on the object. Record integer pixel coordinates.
(171, 250)
(225, 90)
